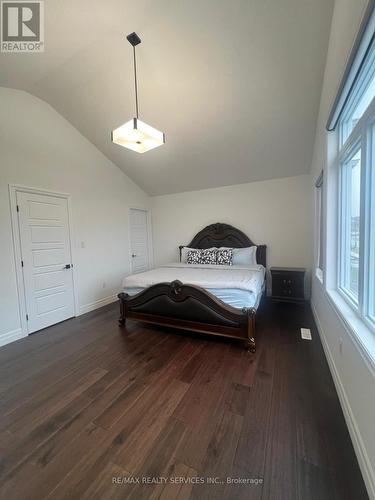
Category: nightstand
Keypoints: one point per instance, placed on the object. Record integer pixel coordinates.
(288, 284)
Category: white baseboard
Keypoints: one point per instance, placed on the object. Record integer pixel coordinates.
(98, 303)
(12, 336)
(360, 450)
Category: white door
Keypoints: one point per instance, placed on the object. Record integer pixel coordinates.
(46, 259)
(139, 240)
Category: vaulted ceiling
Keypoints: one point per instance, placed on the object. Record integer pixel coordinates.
(235, 85)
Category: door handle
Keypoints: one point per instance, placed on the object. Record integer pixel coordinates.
(134, 255)
(68, 266)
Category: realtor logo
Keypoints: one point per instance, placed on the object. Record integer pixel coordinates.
(22, 26)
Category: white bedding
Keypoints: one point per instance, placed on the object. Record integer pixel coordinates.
(239, 286)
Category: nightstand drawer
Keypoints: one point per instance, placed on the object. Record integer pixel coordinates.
(288, 284)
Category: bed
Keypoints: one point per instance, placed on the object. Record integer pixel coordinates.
(210, 299)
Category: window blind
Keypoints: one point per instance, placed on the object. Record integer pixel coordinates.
(361, 48)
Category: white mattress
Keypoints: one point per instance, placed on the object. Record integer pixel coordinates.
(238, 286)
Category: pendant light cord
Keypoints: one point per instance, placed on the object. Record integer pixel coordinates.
(135, 82)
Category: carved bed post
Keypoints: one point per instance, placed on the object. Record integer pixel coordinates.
(251, 312)
(122, 319)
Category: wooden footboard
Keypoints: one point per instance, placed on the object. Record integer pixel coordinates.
(189, 307)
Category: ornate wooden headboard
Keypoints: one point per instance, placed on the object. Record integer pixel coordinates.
(224, 235)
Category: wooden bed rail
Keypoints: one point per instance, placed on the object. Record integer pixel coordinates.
(189, 307)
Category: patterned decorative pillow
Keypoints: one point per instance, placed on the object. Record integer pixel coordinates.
(193, 257)
(208, 256)
(224, 256)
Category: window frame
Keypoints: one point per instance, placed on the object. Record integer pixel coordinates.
(363, 137)
(344, 216)
(369, 208)
(319, 227)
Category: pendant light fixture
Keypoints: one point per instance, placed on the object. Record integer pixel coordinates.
(135, 134)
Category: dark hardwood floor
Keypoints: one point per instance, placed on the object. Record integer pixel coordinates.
(84, 405)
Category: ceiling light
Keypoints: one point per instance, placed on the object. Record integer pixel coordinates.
(135, 134)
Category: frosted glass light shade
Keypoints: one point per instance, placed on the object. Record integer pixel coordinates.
(138, 136)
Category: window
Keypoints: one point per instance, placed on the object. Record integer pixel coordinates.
(350, 190)
(370, 269)
(319, 226)
(356, 191)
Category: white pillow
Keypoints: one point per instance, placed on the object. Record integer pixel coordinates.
(244, 256)
(185, 250)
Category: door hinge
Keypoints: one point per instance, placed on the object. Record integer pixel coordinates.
(18, 208)
(27, 317)
(22, 263)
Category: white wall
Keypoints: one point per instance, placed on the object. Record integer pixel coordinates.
(275, 213)
(41, 149)
(353, 375)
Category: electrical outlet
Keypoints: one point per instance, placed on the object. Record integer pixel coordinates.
(306, 334)
(83, 244)
(104, 284)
